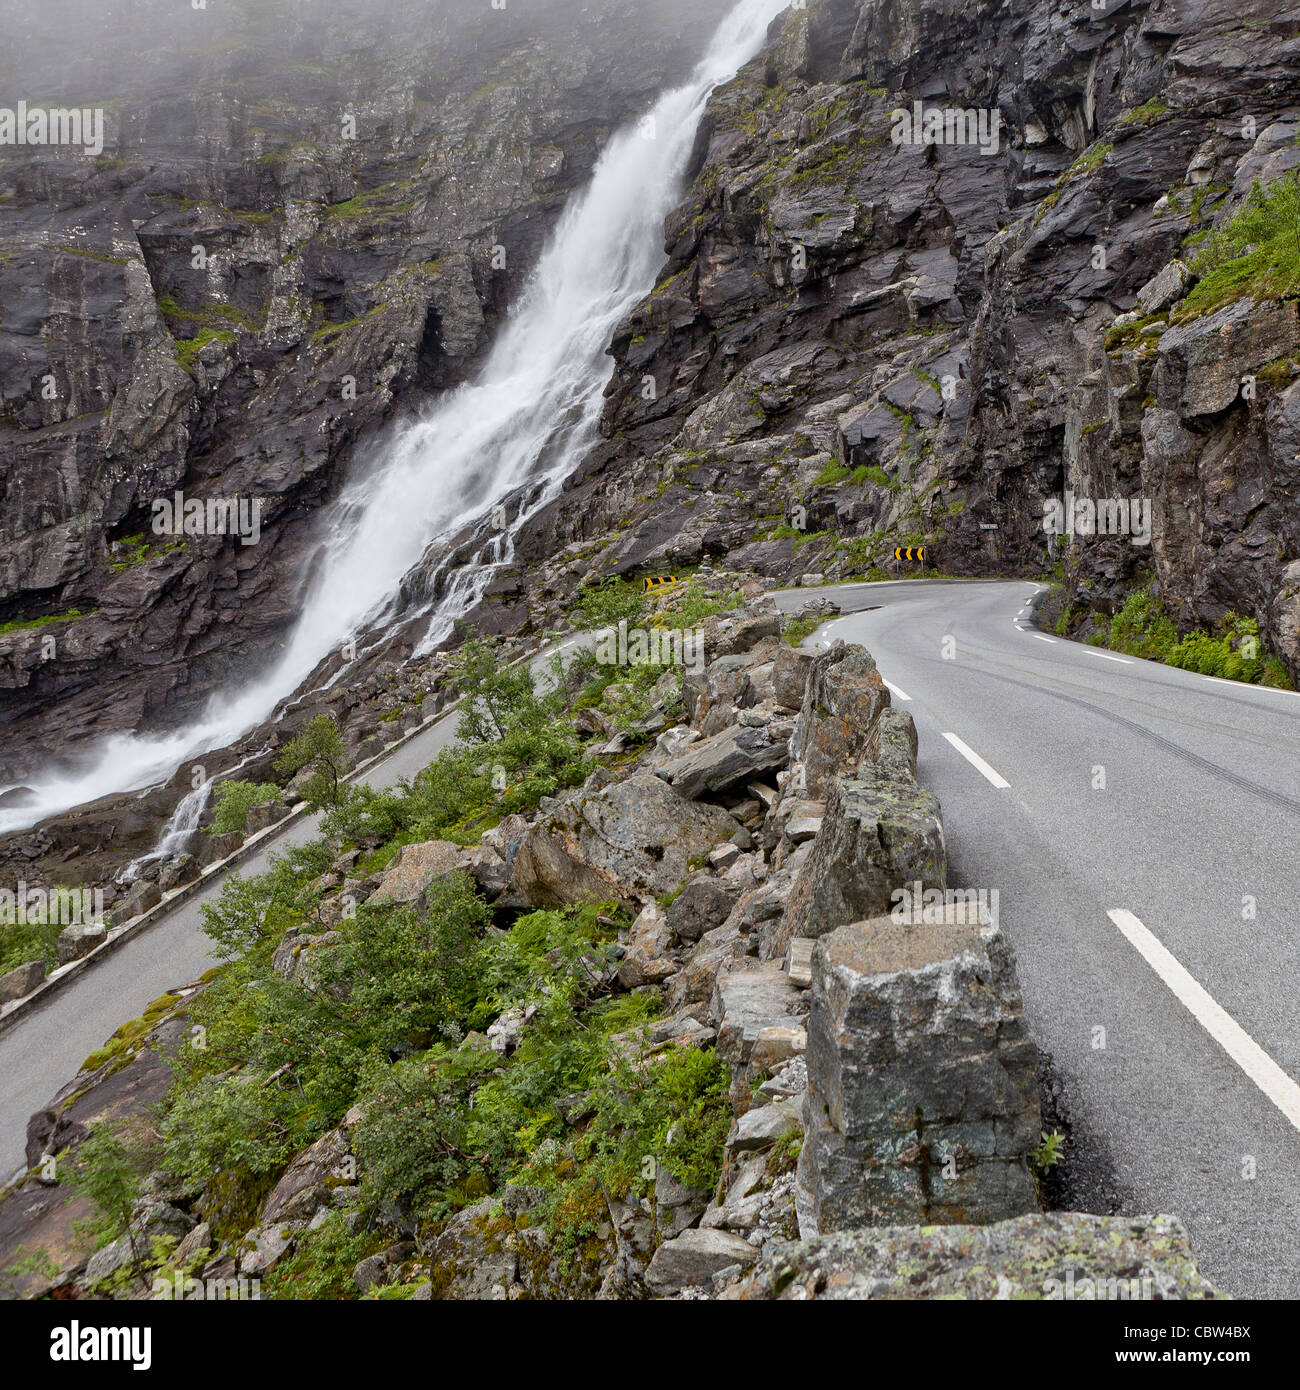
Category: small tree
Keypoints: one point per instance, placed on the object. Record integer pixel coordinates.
(106, 1176)
(319, 747)
(497, 696)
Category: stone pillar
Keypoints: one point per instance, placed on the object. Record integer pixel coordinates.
(922, 1102)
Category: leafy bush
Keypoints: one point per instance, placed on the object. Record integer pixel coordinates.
(229, 1122)
(1143, 628)
(498, 697)
(669, 1111)
(605, 604)
(693, 603)
(413, 1141)
(22, 942)
(105, 1174)
(797, 629)
(411, 974)
(234, 800)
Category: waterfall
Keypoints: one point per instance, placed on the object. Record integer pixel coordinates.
(528, 418)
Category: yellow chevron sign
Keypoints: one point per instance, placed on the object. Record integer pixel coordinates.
(910, 552)
(660, 581)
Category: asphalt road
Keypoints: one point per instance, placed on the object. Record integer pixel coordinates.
(1194, 1089)
(1175, 1024)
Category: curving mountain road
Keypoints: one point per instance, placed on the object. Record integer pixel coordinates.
(1123, 895)
(1127, 813)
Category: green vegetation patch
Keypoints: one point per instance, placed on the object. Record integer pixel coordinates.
(1255, 253)
(31, 624)
(1143, 628)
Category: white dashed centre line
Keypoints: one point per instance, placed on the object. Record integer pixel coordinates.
(1217, 1022)
(978, 763)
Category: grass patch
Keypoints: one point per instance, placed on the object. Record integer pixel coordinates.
(1255, 253)
(798, 628)
(188, 349)
(1146, 113)
(31, 624)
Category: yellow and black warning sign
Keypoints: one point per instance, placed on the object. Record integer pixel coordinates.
(655, 582)
(910, 552)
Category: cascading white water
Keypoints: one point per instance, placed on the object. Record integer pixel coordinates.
(538, 397)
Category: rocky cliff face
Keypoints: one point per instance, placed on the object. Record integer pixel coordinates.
(854, 344)
(876, 344)
(302, 223)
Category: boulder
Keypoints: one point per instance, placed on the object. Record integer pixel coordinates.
(306, 1184)
(736, 755)
(762, 1126)
(693, 1258)
(881, 831)
(264, 815)
(633, 839)
(1168, 284)
(790, 670)
(370, 1272)
(214, 848)
(263, 1248)
(1067, 1256)
(678, 1207)
(838, 724)
(922, 1101)
(696, 981)
(80, 939)
(180, 871)
(646, 960)
(137, 901)
(19, 982)
(746, 1004)
(702, 905)
(490, 871)
(743, 629)
(1201, 363)
(197, 1245)
(416, 867)
(476, 1255)
(151, 1221)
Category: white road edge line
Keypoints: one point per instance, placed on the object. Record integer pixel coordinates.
(1041, 638)
(1217, 1022)
(1106, 656)
(895, 691)
(976, 761)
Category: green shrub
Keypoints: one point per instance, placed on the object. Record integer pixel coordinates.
(607, 603)
(23, 942)
(261, 908)
(1143, 628)
(797, 629)
(322, 1263)
(234, 801)
(229, 1122)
